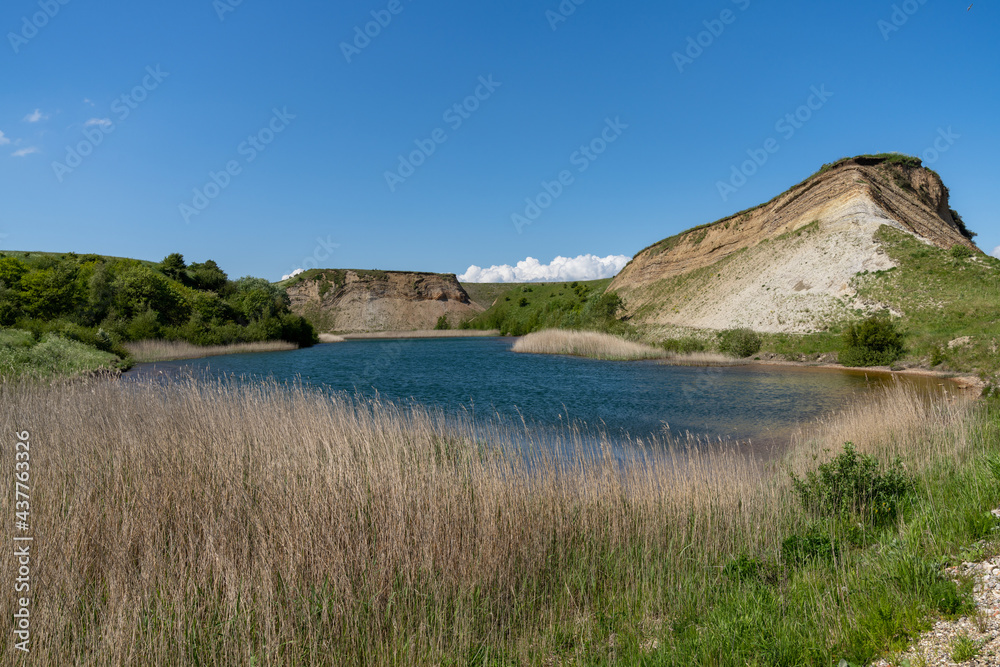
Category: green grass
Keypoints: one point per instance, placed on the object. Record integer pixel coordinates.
(944, 298)
(21, 355)
(527, 307)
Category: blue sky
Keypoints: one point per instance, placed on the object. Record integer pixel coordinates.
(193, 88)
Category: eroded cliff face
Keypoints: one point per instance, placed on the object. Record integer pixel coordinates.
(352, 301)
(788, 265)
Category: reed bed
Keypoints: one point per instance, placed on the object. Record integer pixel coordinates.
(212, 522)
(586, 344)
(145, 351)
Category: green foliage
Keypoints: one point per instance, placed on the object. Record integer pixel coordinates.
(854, 486)
(684, 345)
(941, 300)
(103, 302)
(173, 266)
(963, 648)
(876, 341)
(21, 355)
(961, 252)
(811, 545)
(580, 305)
(442, 324)
(740, 343)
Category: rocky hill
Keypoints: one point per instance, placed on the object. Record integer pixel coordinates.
(352, 301)
(790, 265)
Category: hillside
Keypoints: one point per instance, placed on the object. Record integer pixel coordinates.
(789, 266)
(351, 300)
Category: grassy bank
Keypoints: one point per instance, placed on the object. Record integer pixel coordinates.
(50, 356)
(145, 351)
(206, 523)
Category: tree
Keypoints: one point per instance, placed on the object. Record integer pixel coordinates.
(11, 271)
(139, 289)
(207, 276)
(173, 266)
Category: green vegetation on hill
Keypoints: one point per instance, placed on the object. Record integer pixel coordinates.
(527, 307)
(103, 302)
(950, 301)
(48, 356)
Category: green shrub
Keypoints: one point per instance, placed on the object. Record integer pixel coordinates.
(810, 546)
(746, 568)
(740, 343)
(854, 485)
(442, 324)
(961, 252)
(876, 341)
(685, 345)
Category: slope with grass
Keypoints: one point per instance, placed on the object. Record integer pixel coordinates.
(356, 301)
(788, 266)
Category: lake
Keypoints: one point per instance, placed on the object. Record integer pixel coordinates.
(483, 376)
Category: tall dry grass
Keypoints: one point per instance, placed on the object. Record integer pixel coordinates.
(218, 523)
(586, 344)
(145, 351)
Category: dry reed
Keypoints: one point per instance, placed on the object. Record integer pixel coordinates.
(145, 351)
(586, 344)
(222, 523)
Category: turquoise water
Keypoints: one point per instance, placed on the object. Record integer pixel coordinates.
(482, 375)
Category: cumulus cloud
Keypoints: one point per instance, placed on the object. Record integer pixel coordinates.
(3, 140)
(25, 151)
(996, 252)
(293, 274)
(35, 116)
(103, 122)
(560, 269)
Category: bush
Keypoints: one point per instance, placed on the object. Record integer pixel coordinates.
(442, 324)
(740, 343)
(810, 546)
(683, 345)
(853, 485)
(961, 252)
(877, 341)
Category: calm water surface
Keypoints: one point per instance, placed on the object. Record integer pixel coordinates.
(637, 399)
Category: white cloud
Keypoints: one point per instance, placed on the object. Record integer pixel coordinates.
(561, 269)
(35, 116)
(3, 140)
(87, 100)
(996, 252)
(25, 151)
(293, 274)
(103, 122)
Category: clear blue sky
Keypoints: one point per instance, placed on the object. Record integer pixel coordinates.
(323, 176)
